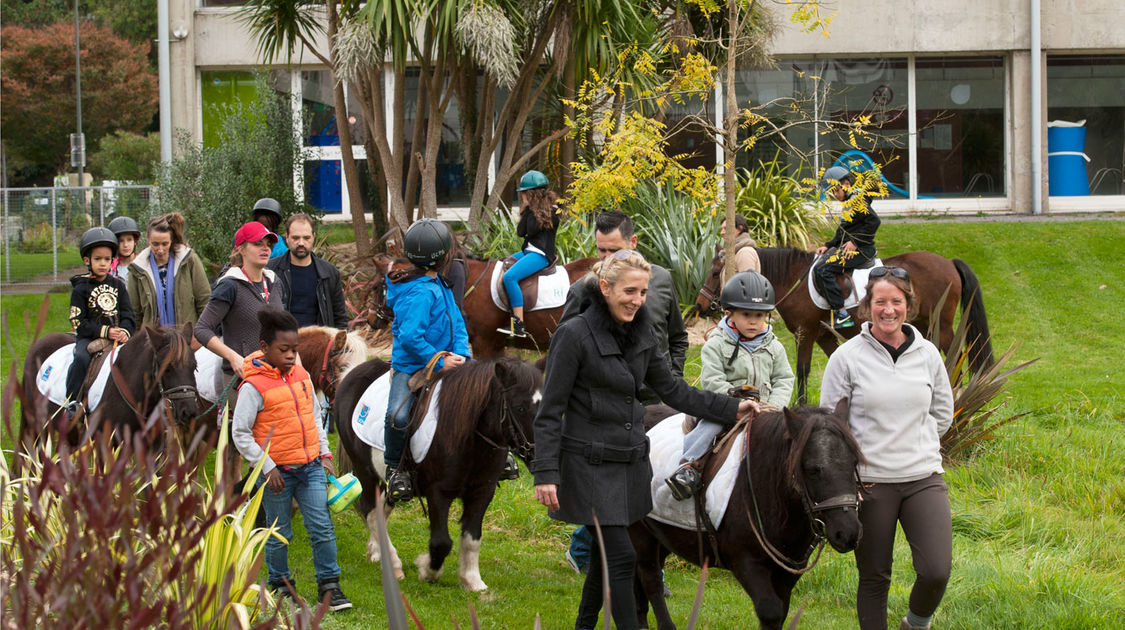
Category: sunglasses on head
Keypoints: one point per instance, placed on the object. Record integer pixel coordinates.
(897, 272)
(623, 254)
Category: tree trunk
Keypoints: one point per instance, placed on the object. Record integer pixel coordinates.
(730, 134)
(347, 157)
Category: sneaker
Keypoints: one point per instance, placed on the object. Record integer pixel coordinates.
(284, 590)
(684, 482)
(906, 625)
(511, 469)
(841, 319)
(400, 486)
(515, 328)
(572, 563)
(336, 598)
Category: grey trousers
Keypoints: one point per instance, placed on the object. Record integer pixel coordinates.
(699, 439)
(923, 509)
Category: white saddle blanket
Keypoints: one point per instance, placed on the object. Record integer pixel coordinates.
(859, 281)
(666, 447)
(51, 379)
(552, 288)
(207, 366)
(369, 418)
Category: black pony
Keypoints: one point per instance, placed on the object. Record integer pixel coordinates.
(796, 488)
(155, 366)
(485, 409)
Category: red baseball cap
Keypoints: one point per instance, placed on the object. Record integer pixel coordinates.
(252, 232)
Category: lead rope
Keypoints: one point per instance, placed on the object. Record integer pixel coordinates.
(756, 526)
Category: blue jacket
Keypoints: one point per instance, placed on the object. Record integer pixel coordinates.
(427, 321)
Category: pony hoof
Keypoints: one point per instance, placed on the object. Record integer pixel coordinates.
(473, 584)
(425, 573)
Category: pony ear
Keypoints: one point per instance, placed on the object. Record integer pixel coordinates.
(841, 410)
(340, 341)
(157, 337)
(792, 423)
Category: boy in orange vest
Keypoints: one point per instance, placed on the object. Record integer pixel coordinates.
(276, 404)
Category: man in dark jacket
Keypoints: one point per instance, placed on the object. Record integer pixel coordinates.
(312, 289)
(613, 231)
(853, 245)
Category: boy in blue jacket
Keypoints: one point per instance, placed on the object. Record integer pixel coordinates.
(427, 323)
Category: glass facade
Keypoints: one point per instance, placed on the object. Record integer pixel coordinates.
(1089, 88)
(222, 90)
(960, 103)
(452, 185)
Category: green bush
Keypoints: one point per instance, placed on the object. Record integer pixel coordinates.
(777, 209)
(215, 188)
(127, 156)
(497, 238)
(37, 239)
(675, 233)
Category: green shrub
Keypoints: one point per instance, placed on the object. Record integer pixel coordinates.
(497, 238)
(777, 208)
(127, 156)
(675, 233)
(37, 239)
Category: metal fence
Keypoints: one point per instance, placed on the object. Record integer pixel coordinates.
(42, 226)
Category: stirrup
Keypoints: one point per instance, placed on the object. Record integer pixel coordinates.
(400, 486)
(683, 482)
(511, 469)
(515, 328)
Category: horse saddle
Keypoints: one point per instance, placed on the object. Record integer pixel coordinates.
(543, 289)
(852, 283)
(51, 377)
(709, 464)
(369, 417)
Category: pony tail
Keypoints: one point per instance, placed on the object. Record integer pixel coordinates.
(175, 222)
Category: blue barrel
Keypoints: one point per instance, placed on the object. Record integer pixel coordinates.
(1066, 164)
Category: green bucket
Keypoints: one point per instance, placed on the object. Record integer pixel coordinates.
(342, 491)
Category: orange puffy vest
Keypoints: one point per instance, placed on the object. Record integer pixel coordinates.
(286, 418)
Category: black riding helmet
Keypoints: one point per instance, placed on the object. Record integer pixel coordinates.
(94, 237)
(124, 225)
(748, 290)
(426, 242)
(268, 206)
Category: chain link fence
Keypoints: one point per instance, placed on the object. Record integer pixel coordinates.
(42, 226)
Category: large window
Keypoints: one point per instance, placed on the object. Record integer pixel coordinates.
(452, 185)
(786, 97)
(960, 104)
(1089, 88)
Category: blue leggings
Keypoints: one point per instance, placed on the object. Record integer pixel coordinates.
(527, 263)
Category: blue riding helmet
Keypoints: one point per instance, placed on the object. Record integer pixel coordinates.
(532, 180)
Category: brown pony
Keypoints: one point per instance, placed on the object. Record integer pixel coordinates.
(787, 269)
(482, 317)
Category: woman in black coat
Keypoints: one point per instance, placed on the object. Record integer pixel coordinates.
(591, 453)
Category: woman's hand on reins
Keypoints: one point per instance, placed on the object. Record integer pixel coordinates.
(748, 409)
(548, 495)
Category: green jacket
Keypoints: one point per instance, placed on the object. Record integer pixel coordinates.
(190, 288)
(767, 368)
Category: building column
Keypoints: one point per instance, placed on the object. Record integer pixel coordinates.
(185, 95)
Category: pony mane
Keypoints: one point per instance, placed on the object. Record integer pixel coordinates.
(352, 355)
(778, 261)
(775, 455)
(469, 391)
(177, 352)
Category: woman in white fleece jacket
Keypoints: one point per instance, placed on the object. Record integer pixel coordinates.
(900, 403)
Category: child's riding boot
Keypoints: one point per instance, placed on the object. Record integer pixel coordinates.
(841, 319)
(511, 469)
(400, 486)
(515, 328)
(684, 481)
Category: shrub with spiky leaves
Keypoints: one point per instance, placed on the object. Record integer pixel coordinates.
(777, 209)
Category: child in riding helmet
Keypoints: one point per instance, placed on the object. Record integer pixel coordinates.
(740, 351)
(851, 247)
(128, 236)
(539, 220)
(268, 212)
(276, 409)
(428, 327)
(99, 307)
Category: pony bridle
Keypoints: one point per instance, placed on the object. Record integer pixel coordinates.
(814, 509)
(328, 377)
(514, 435)
(712, 298)
(172, 394)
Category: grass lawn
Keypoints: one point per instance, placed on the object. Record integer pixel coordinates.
(1039, 540)
(25, 267)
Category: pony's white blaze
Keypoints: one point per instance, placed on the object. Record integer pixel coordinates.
(537, 397)
(469, 563)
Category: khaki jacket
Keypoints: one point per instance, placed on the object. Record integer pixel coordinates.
(190, 288)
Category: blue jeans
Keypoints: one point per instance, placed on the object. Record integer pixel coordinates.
(400, 400)
(699, 440)
(527, 263)
(308, 485)
(580, 543)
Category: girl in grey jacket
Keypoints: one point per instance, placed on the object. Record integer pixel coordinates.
(900, 403)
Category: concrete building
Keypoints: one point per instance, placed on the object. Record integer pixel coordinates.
(949, 84)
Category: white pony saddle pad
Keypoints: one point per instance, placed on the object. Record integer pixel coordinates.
(553, 288)
(207, 366)
(51, 378)
(666, 447)
(370, 418)
(859, 282)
